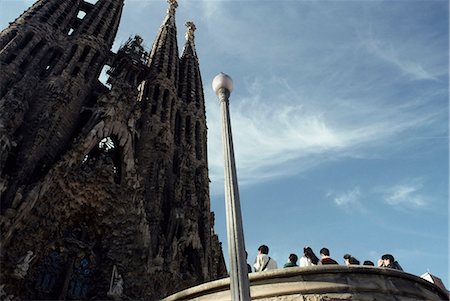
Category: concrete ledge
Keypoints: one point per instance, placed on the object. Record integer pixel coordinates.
(333, 282)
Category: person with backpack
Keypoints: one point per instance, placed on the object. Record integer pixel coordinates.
(263, 261)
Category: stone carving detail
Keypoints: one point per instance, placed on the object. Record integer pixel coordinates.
(173, 4)
(3, 295)
(116, 285)
(22, 267)
(190, 31)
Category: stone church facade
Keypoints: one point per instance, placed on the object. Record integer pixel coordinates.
(104, 189)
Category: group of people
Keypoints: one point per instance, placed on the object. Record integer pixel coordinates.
(264, 262)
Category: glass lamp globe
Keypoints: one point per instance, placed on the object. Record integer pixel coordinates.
(222, 81)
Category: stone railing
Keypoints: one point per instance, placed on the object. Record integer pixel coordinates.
(317, 283)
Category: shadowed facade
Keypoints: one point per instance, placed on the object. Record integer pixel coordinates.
(101, 181)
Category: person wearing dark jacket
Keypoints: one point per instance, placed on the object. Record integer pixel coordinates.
(325, 257)
(388, 261)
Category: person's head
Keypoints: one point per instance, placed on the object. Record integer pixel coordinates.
(308, 252)
(293, 258)
(263, 249)
(324, 252)
(347, 258)
(368, 262)
(388, 259)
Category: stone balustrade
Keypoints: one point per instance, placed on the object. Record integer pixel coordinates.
(317, 283)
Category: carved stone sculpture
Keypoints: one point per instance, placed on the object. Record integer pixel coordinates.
(116, 285)
(22, 267)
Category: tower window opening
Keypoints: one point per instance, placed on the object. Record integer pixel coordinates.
(187, 130)
(10, 58)
(169, 65)
(72, 53)
(92, 64)
(172, 105)
(37, 48)
(75, 71)
(84, 54)
(26, 40)
(155, 100)
(24, 65)
(198, 142)
(81, 14)
(165, 106)
(177, 134)
(49, 61)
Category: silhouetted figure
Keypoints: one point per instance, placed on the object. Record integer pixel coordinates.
(388, 261)
(325, 257)
(350, 260)
(263, 262)
(368, 262)
(308, 258)
(292, 261)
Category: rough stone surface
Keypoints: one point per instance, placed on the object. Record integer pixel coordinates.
(93, 177)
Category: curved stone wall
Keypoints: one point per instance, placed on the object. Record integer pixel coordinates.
(319, 283)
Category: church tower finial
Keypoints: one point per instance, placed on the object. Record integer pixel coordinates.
(190, 36)
(190, 31)
(173, 4)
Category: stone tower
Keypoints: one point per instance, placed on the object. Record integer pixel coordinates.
(104, 190)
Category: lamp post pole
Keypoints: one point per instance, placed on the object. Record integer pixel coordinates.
(239, 283)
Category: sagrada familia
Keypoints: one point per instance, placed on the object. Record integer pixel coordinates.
(104, 188)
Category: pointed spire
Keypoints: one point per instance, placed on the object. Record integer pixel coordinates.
(164, 54)
(190, 83)
(170, 18)
(190, 36)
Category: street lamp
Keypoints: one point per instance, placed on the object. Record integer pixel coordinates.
(239, 283)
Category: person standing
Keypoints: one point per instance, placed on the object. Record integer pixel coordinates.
(292, 261)
(308, 258)
(263, 262)
(325, 257)
(388, 261)
(350, 260)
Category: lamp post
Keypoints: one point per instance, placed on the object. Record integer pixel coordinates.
(239, 283)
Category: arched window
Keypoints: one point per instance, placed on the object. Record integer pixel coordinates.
(198, 141)
(165, 106)
(187, 130)
(177, 132)
(155, 99)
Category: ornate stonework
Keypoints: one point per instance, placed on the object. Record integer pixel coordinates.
(104, 189)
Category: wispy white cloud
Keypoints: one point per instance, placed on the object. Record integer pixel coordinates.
(407, 195)
(297, 134)
(347, 199)
(389, 54)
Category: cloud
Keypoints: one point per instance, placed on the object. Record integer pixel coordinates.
(349, 200)
(389, 54)
(280, 131)
(407, 195)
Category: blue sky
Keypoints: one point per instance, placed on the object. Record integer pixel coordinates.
(340, 120)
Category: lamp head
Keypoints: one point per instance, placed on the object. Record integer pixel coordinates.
(222, 81)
